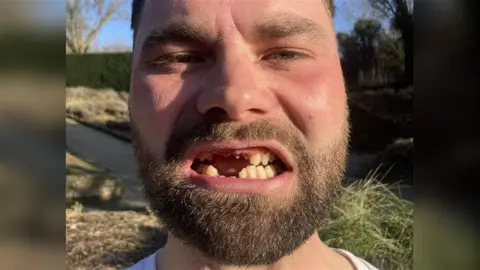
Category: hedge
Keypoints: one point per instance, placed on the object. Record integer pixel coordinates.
(101, 70)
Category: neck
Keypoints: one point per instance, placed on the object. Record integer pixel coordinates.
(313, 254)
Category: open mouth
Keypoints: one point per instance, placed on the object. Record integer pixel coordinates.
(251, 163)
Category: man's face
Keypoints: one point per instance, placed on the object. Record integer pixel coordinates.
(240, 124)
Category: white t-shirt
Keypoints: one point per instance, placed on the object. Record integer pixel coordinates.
(149, 262)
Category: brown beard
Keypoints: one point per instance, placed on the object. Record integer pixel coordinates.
(242, 229)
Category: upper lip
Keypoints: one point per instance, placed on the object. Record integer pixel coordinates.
(275, 147)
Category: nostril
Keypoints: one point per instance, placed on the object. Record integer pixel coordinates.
(257, 111)
(216, 114)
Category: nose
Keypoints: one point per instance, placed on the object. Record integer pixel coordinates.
(235, 92)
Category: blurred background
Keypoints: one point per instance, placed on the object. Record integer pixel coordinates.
(47, 163)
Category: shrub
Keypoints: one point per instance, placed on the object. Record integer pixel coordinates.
(107, 70)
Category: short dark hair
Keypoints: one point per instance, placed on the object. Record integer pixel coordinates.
(137, 6)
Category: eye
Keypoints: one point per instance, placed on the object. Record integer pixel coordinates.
(178, 58)
(285, 55)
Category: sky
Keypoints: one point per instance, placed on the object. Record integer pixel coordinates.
(118, 32)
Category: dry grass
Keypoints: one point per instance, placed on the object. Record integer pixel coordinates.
(97, 106)
(110, 240)
(103, 108)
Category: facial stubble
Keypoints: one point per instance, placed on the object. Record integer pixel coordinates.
(242, 229)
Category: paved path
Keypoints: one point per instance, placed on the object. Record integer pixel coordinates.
(109, 153)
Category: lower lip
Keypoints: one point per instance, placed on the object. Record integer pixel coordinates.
(280, 183)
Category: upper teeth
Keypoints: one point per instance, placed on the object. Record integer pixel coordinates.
(255, 159)
(263, 158)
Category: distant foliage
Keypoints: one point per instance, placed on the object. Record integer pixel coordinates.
(370, 56)
(106, 70)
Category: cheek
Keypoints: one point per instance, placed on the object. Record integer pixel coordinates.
(153, 108)
(317, 102)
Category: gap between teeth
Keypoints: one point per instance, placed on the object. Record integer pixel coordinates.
(255, 159)
(251, 171)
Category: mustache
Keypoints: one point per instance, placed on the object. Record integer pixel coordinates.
(183, 135)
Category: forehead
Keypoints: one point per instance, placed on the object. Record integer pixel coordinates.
(220, 15)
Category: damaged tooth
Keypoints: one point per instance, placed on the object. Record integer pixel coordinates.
(265, 158)
(237, 156)
(211, 171)
(270, 171)
(252, 171)
(243, 173)
(255, 159)
(261, 172)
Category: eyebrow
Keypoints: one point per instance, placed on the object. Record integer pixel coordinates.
(177, 32)
(274, 27)
(285, 25)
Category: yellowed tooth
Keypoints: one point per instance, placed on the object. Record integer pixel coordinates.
(261, 172)
(270, 171)
(252, 171)
(255, 159)
(233, 176)
(272, 157)
(211, 171)
(265, 158)
(243, 173)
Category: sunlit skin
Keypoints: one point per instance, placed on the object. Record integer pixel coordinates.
(247, 75)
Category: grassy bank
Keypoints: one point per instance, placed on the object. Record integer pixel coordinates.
(373, 223)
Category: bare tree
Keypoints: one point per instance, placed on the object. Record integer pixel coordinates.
(392, 8)
(357, 9)
(85, 19)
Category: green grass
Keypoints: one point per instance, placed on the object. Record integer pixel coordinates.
(373, 223)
